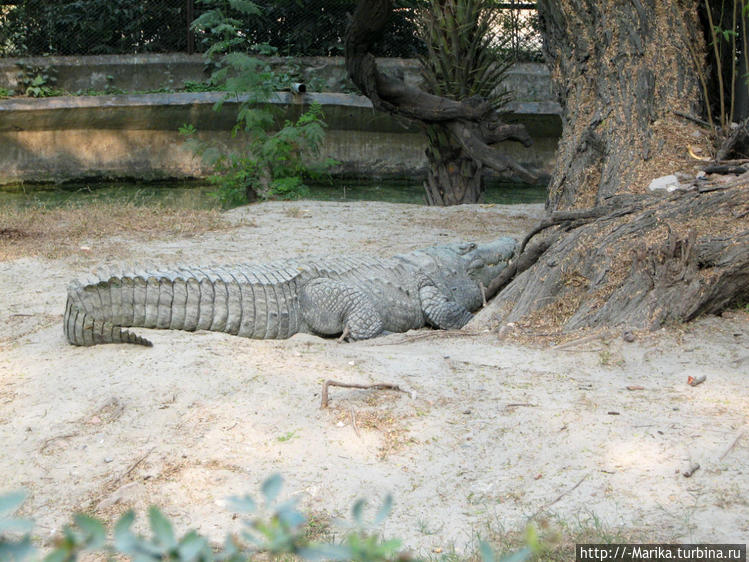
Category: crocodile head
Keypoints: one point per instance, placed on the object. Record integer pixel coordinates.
(458, 269)
(484, 261)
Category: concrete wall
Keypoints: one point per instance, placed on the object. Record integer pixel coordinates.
(135, 136)
(138, 73)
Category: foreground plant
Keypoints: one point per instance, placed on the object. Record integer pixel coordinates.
(275, 528)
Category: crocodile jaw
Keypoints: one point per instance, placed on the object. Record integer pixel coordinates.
(487, 260)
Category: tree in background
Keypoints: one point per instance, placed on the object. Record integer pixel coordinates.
(462, 60)
(473, 123)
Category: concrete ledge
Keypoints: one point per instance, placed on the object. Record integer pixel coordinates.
(65, 138)
(169, 111)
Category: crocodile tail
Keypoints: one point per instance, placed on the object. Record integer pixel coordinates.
(83, 323)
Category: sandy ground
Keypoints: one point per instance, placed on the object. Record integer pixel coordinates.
(494, 432)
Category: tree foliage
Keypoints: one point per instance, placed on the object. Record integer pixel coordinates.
(92, 27)
(273, 161)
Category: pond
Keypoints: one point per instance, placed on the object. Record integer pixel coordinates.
(197, 195)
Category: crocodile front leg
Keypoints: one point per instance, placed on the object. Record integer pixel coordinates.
(330, 308)
(442, 312)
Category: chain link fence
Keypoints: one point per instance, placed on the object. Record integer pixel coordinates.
(291, 27)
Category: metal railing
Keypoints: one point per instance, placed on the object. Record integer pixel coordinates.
(312, 27)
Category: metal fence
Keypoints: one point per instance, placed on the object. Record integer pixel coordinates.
(291, 27)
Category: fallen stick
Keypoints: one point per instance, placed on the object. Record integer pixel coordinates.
(134, 465)
(735, 441)
(377, 386)
(426, 334)
(353, 423)
(559, 497)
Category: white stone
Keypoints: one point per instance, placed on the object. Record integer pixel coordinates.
(669, 182)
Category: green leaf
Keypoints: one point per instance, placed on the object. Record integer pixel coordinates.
(58, 555)
(11, 525)
(16, 550)
(124, 539)
(384, 510)
(326, 552)
(486, 551)
(272, 487)
(245, 7)
(95, 532)
(357, 511)
(161, 528)
(11, 501)
(191, 546)
(289, 515)
(243, 504)
(521, 555)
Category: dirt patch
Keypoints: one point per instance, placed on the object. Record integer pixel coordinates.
(495, 430)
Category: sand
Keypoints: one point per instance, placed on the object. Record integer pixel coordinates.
(494, 431)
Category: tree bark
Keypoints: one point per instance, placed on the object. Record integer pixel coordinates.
(452, 177)
(640, 261)
(621, 71)
(609, 252)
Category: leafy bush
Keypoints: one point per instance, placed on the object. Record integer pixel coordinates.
(274, 528)
(36, 81)
(276, 162)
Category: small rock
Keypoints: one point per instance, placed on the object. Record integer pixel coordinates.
(628, 336)
(693, 467)
(108, 459)
(126, 493)
(668, 183)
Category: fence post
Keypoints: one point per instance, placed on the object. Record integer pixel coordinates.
(190, 35)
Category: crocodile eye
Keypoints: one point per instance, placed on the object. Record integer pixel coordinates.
(467, 247)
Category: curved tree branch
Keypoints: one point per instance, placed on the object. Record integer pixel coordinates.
(473, 122)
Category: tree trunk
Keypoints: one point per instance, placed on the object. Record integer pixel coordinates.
(610, 252)
(452, 178)
(623, 72)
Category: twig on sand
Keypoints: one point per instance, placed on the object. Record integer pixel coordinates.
(559, 497)
(733, 445)
(353, 423)
(426, 334)
(377, 386)
(134, 465)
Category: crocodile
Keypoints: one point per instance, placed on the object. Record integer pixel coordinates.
(353, 297)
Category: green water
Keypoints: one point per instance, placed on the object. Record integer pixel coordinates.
(195, 195)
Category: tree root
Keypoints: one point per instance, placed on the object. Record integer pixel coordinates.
(637, 261)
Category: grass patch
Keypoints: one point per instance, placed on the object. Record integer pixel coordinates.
(556, 538)
(58, 232)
